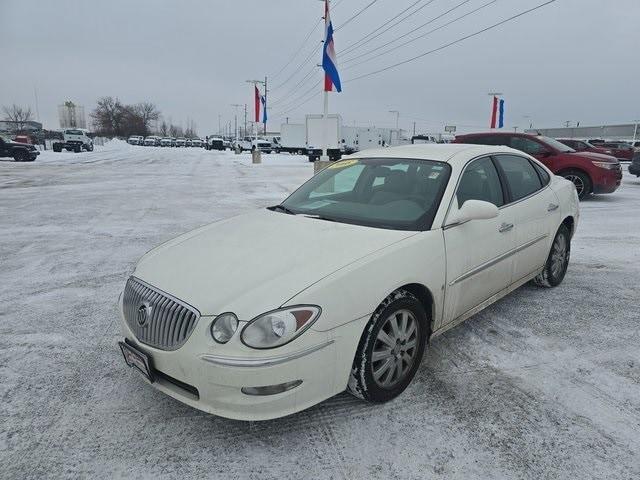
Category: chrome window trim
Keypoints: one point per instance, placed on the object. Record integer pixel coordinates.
(496, 260)
(446, 226)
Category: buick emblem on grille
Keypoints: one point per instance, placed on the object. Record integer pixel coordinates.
(144, 314)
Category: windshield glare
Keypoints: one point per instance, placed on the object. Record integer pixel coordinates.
(391, 193)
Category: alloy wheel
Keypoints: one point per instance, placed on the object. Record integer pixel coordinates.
(395, 348)
(559, 256)
(578, 182)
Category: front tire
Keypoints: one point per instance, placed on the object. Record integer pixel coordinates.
(581, 181)
(390, 349)
(558, 260)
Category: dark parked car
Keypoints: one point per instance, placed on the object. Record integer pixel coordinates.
(589, 172)
(621, 150)
(634, 168)
(20, 152)
(584, 146)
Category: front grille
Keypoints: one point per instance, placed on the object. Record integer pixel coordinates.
(156, 318)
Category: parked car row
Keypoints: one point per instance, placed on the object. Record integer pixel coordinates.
(590, 169)
(156, 141)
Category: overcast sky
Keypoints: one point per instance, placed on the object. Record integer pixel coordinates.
(575, 60)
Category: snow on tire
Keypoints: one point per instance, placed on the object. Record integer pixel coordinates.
(557, 262)
(390, 349)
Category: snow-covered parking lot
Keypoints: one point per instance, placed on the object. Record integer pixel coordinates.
(543, 384)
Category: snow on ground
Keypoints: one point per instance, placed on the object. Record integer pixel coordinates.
(543, 384)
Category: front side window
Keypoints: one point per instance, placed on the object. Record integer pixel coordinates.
(480, 181)
(401, 194)
(521, 176)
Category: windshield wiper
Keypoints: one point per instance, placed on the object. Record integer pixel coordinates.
(282, 208)
(320, 217)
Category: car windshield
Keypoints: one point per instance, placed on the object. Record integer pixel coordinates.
(391, 193)
(552, 142)
(73, 132)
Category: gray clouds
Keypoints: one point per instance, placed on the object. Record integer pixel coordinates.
(573, 60)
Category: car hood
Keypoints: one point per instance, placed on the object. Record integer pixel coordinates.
(256, 262)
(599, 157)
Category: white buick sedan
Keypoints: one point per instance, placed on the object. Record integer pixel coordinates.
(345, 283)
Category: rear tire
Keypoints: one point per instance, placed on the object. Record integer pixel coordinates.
(390, 349)
(581, 181)
(558, 260)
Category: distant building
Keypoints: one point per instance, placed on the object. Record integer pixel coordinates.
(626, 131)
(71, 115)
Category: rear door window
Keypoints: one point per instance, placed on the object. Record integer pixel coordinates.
(520, 175)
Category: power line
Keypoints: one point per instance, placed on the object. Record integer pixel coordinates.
(459, 40)
(407, 33)
(369, 37)
(356, 15)
(296, 87)
(304, 42)
(304, 62)
(413, 39)
(295, 100)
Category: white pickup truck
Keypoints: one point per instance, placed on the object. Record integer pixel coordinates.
(74, 139)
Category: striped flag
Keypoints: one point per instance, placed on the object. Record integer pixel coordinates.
(263, 99)
(257, 103)
(329, 63)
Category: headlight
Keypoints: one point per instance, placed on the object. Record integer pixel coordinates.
(223, 327)
(273, 329)
(605, 165)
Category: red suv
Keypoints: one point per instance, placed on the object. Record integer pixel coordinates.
(589, 172)
(584, 146)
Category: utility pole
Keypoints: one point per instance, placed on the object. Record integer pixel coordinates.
(245, 120)
(635, 133)
(219, 127)
(515, 129)
(236, 105)
(397, 114)
(414, 129)
(567, 123)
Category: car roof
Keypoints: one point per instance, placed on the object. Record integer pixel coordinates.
(439, 152)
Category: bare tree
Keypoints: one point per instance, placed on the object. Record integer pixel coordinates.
(147, 112)
(108, 117)
(164, 128)
(19, 115)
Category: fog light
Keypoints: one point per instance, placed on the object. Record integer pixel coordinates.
(270, 389)
(223, 327)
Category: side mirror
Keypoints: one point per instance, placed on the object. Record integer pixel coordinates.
(475, 210)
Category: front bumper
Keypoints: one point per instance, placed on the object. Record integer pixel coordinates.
(213, 375)
(607, 181)
(634, 169)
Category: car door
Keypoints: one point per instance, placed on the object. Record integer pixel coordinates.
(535, 209)
(478, 258)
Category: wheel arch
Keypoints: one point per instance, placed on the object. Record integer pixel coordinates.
(570, 223)
(579, 169)
(425, 297)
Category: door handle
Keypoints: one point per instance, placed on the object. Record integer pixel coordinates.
(552, 207)
(505, 227)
